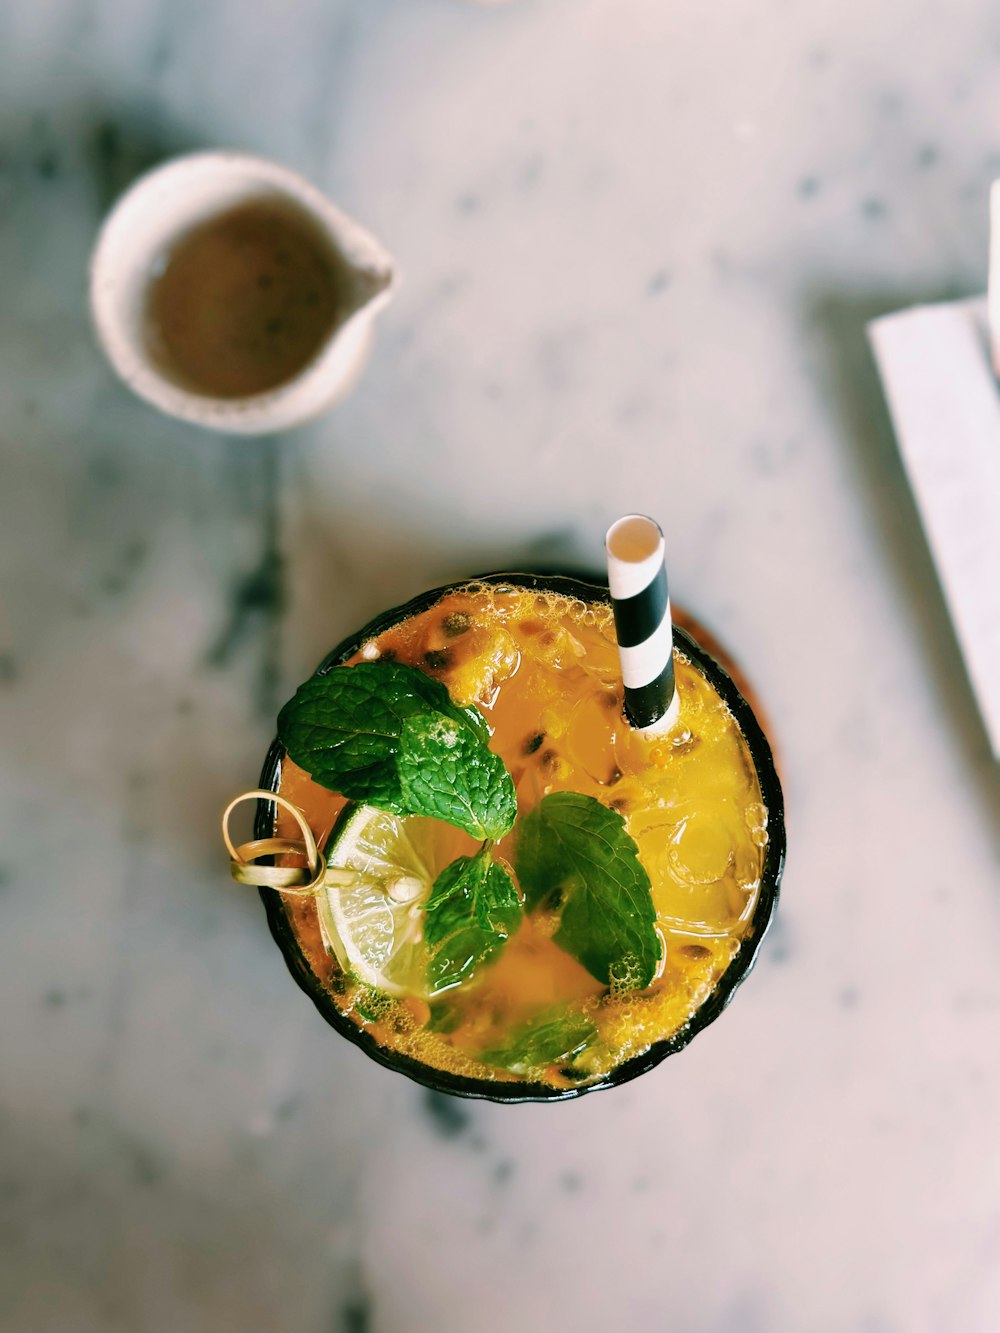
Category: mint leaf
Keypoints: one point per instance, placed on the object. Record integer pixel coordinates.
(436, 696)
(553, 1037)
(371, 1003)
(472, 909)
(445, 1016)
(386, 734)
(446, 771)
(575, 856)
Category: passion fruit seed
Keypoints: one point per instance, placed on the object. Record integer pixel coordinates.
(455, 624)
(694, 951)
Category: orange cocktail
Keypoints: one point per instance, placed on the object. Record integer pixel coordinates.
(694, 814)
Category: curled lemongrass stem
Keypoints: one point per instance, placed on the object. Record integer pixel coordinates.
(286, 879)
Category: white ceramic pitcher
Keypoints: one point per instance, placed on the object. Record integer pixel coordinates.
(167, 202)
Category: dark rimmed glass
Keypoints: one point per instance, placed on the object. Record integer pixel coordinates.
(774, 857)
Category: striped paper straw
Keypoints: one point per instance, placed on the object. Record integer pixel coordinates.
(637, 577)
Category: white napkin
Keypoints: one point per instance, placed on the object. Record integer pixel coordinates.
(945, 406)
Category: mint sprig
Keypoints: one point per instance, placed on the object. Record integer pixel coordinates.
(386, 734)
(575, 856)
(472, 909)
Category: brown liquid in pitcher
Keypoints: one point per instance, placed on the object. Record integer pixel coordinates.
(243, 302)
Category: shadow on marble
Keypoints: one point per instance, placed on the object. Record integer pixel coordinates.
(355, 565)
(110, 144)
(102, 1216)
(848, 377)
(121, 143)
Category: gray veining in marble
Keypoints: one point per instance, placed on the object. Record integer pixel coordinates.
(640, 243)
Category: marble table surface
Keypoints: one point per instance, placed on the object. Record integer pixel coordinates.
(639, 242)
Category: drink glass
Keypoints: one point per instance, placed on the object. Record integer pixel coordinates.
(294, 919)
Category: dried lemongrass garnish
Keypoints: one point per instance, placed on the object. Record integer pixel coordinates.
(286, 879)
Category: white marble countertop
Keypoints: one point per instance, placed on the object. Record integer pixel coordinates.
(640, 242)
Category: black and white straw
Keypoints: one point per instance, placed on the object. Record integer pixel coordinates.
(637, 577)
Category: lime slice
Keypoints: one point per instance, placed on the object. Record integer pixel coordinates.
(380, 869)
